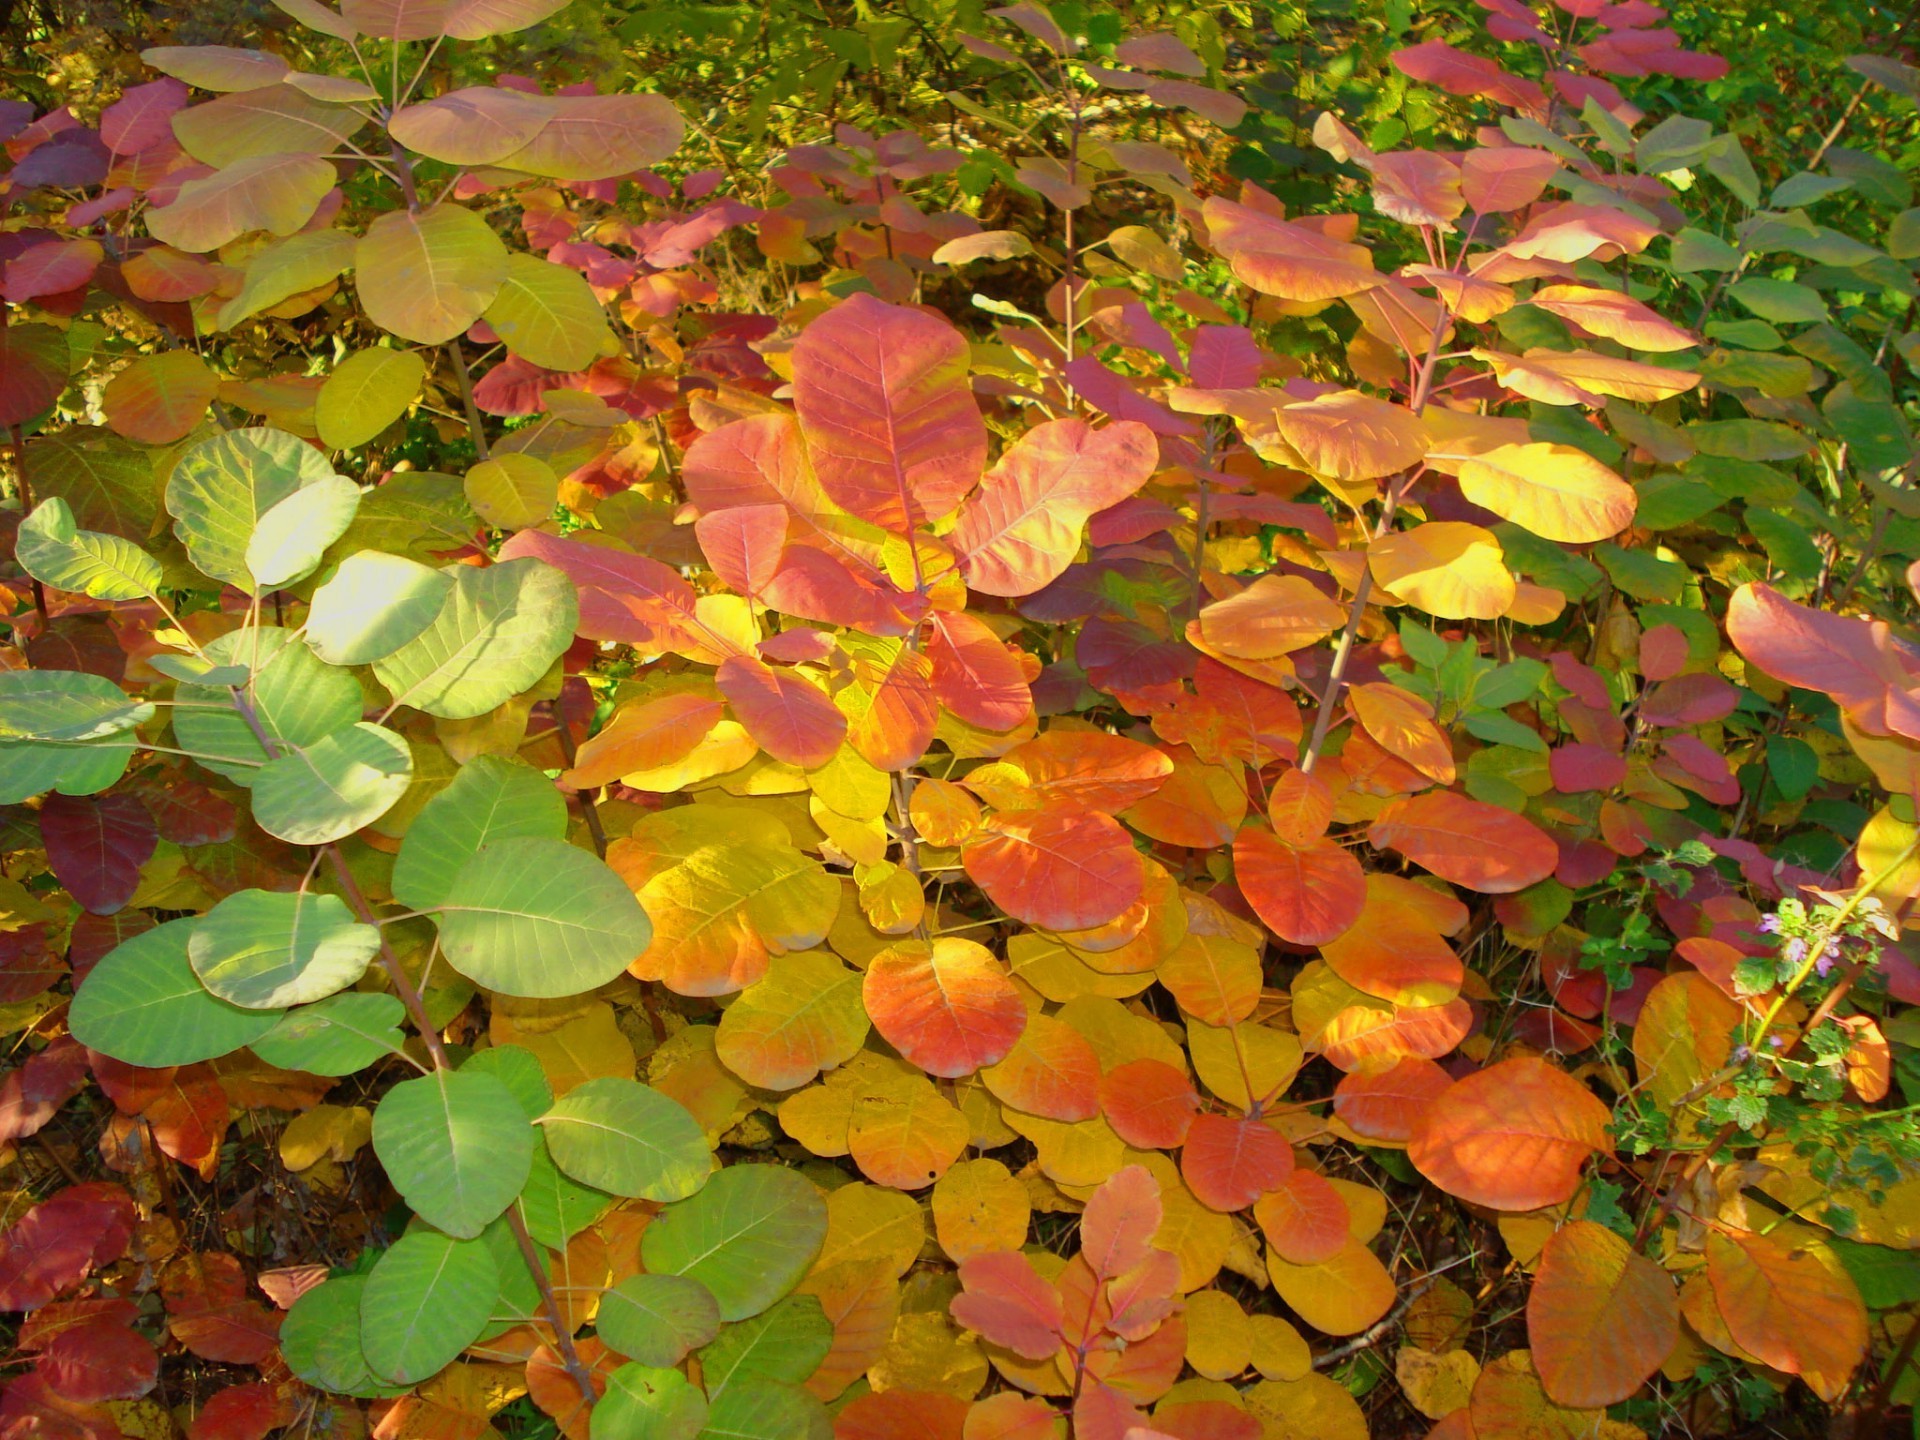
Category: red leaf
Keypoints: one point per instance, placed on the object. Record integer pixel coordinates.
(882, 397)
(1007, 1302)
(59, 1242)
(33, 1094)
(1058, 871)
(625, 597)
(239, 1412)
(1460, 73)
(744, 546)
(1387, 1105)
(104, 1360)
(96, 846)
(30, 1407)
(1231, 1161)
(208, 1312)
(1089, 770)
(902, 1415)
(789, 718)
(1304, 1219)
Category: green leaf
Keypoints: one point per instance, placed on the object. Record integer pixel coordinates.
(373, 605)
(143, 1004)
(55, 551)
(512, 491)
(1793, 764)
(557, 1207)
(426, 1300)
(540, 918)
(28, 769)
(497, 633)
(518, 1068)
(196, 671)
(298, 699)
(787, 1342)
(548, 316)
(320, 1340)
(108, 481)
(221, 487)
(490, 800)
(65, 705)
(748, 1236)
(266, 949)
(456, 1145)
(627, 1139)
(290, 538)
(643, 1403)
(291, 267)
(427, 275)
(1781, 301)
(336, 1036)
(327, 790)
(767, 1410)
(366, 392)
(657, 1319)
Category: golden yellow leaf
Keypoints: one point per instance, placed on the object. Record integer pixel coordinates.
(1446, 568)
(1219, 1339)
(326, 1132)
(977, 1207)
(1556, 491)
(872, 1226)
(929, 1353)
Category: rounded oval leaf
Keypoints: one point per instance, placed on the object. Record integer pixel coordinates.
(748, 1236)
(456, 1145)
(426, 1300)
(266, 949)
(627, 1139)
(144, 1005)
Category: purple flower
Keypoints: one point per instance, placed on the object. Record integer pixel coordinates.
(1795, 951)
(1770, 925)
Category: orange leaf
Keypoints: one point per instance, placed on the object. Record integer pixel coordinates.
(1791, 1308)
(1514, 1136)
(1058, 871)
(1468, 842)
(1307, 895)
(1149, 1104)
(791, 719)
(1304, 1219)
(1005, 1301)
(948, 1007)
(1051, 1071)
(1231, 1161)
(1403, 724)
(1601, 1317)
(644, 737)
(1275, 615)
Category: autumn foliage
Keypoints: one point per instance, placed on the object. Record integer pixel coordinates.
(1304, 826)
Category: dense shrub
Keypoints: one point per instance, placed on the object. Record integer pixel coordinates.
(1001, 758)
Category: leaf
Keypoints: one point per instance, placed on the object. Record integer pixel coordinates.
(627, 1139)
(372, 605)
(296, 266)
(1468, 842)
(512, 491)
(1275, 615)
(1556, 491)
(33, 371)
(366, 393)
(767, 1411)
(1051, 1071)
(1277, 257)
(1514, 1136)
(891, 426)
(426, 1299)
(480, 125)
(1601, 1318)
(96, 847)
(489, 800)
(267, 950)
(1306, 894)
(1006, 1302)
(748, 1236)
(456, 1145)
(1304, 1219)
(498, 632)
(298, 701)
(652, 1403)
(1149, 1103)
(947, 1007)
(805, 1016)
(1352, 436)
(785, 1343)
(1120, 1221)
(1613, 315)
(1060, 871)
(220, 489)
(276, 192)
(1022, 528)
(540, 918)
(1344, 1295)
(600, 137)
(325, 791)
(657, 1319)
(65, 705)
(160, 399)
(143, 1004)
(1789, 1307)
(547, 315)
(289, 539)
(427, 276)
(790, 718)
(216, 67)
(1230, 1161)
(337, 1036)
(320, 1338)
(1446, 568)
(647, 735)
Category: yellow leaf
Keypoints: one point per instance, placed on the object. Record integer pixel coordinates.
(1556, 491)
(1436, 1385)
(1446, 568)
(326, 1132)
(1277, 1350)
(1219, 1339)
(929, 1353)
(903, 1133)
(1314, 1407)
(804, 1016)
(586, 1047)
(872, 1226)
(978, 1207)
